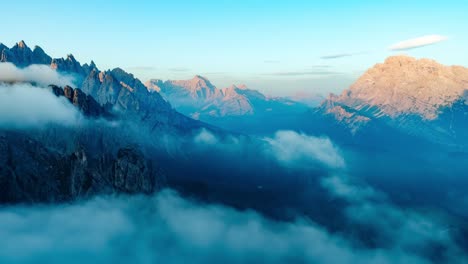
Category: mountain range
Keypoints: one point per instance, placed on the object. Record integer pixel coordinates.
(401, 104)
(402, 99)
(108, 152)
(228, 107)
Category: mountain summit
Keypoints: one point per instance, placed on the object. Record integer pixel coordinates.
(404, 85)
(199, 98)
(417, 96)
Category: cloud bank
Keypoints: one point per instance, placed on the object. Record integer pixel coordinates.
(418, 42)
(24, 106)
(169, 229)
(42, 75)
(299, 150)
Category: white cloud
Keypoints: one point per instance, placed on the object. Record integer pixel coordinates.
(26, 106)
(40, 74)
(337, 56)
(299, 150)
(418, 42)
(167, 228)
(205, 137)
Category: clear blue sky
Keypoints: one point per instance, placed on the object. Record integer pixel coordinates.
(274, 46)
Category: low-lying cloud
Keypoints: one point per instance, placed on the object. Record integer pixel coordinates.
(302, 151)
(42, 75)
(418, 42)
(388, 225)
(169, 229)
(25, 106)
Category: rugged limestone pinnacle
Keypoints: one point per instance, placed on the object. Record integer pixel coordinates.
(22, 44)
(405, 85)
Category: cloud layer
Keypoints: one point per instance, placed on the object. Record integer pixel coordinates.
(25, 106)
(418, 42)
(42, 75)
(167, 228)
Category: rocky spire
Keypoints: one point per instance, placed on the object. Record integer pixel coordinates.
(21, 45)
(40, 57)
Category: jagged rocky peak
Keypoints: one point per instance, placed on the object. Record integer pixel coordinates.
(20, 54)
(154, 85)
(405, 85)
(21, 44)
(198, 88)
(198, 82)
(87, 68)
(70, 64)
(119, 73)
(40, 57)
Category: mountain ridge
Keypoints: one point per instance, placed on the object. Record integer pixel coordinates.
(416, 96)
(115, 87)
(198, 97)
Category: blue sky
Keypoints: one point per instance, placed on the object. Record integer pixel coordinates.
(274, 46)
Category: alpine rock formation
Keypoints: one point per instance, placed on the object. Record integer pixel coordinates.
(109, 149)
(416, 97)
(113, 87)
(236, 108)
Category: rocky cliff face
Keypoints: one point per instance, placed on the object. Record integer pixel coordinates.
(59, 163)
(415, 96)
(404, 85)
(33, 171)
(108, 153)
(85, 103)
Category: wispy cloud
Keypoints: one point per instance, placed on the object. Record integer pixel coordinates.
(321, 66)
(340, 55)
(179, 69)
(141, 68)
(304, 73)
(418, 42)
(24, 106)
(40, 74)
(214, 73)
(336, 56)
